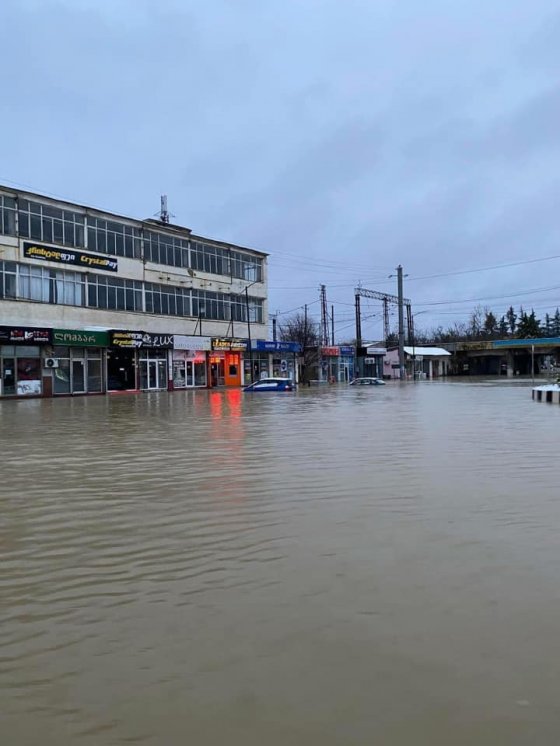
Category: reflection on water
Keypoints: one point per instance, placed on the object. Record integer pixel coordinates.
(333, 567)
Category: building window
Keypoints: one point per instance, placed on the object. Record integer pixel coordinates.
(8, 282)
(208, 258)
(7, 215)
(50, 224)
(246, 267)
(162, 248)
(63, 287)
(255, 310)
(109, 237)
(114, 294)
(51, 286)
(167, 300)
(208, 305)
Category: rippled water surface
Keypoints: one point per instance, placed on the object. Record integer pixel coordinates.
(337, 566)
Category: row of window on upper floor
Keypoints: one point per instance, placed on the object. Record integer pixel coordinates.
(41, 222)
(63, 287)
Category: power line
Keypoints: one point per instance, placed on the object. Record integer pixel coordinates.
(486, 269)
(490, 297)
(297, 308)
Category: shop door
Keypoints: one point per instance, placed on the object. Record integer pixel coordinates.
(189, 380)
(161, 374)
(78, 377)
(121, 372)
(8, 372)
(232, 369)
(153, 374)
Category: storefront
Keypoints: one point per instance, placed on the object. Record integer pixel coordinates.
(226, 360)
(153, 359)
(77, 365)
(329, 364)
(21, 372)
(346, 363)
(122, 360)
(190, 361)
(272, 359)
(138, 360)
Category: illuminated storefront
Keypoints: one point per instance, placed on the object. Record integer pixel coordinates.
(190, 361)
(226, 360)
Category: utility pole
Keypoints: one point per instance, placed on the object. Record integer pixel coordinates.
(324, 316)
(357, 371)
(332, 324)
(401, 321)
(386, 327)
(274, 328)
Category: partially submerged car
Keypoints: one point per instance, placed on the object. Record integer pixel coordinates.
(367, 382)
(270, 384)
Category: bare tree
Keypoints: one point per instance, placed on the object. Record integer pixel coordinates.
(303, 330)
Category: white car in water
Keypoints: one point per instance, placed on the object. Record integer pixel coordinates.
(367, 382)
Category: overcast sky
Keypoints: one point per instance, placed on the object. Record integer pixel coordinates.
(343, 137)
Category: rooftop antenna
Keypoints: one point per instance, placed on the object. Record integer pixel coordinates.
(164, 214)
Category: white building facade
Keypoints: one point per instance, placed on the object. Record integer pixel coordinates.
(92, 302)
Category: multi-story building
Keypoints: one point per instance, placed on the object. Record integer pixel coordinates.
(93, 302)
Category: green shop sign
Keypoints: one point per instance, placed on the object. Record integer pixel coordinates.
(80, 338)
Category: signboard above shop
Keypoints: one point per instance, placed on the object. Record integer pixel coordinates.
(24, 335)
(79, 338)
(231, 344)
(265, 346)
(346, 350)
(330, 351)
(69, 256)
(184, 342)
(136, 340)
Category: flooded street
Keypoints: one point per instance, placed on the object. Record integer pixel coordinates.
(338, 566)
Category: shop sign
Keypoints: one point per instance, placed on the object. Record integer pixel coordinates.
(376, 351)
(127, 340)
(229, 344)
(330, 351)
(264, 346)
(135, 340)
(537, 342)
(157, 341)
(69, 256)
(346, 350)
(79, 338)
(24, 335)
(183, 342)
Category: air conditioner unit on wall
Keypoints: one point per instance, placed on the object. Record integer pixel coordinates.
(51, 362)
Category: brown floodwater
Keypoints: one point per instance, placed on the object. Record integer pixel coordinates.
(337, 566)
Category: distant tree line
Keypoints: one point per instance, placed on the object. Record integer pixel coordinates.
(484, 324)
